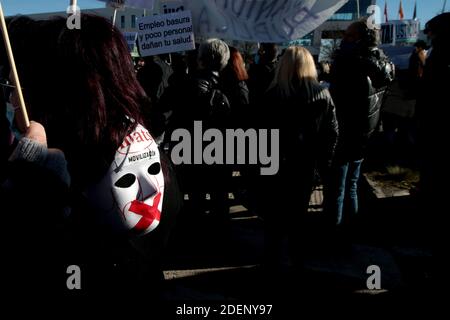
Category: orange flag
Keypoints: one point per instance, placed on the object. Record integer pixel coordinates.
(401, 15)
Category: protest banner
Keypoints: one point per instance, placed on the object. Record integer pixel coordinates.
(171, 7)
(146, 4)
(253, 20)
(165, 33)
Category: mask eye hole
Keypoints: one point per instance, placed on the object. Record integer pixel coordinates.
(126, 181)
(154, 169)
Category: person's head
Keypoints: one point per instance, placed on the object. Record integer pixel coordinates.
(140, 62)
(80, 84)
(420, 45)
(213, 55)
(437, 30)
(85, 90)
(192, 59)
(236, 66)
(179, 64)
(324, 67)
(296, 68)
(359, 33)
(268, 52)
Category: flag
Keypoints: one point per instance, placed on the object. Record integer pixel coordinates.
(415, 11)
(386, 12)
(401, 15)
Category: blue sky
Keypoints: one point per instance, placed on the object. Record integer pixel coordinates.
(426, 8)
(38, 6)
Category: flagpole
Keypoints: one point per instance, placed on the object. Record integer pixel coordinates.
(445, 5)
(357, 9)
(386, 18)
(114, 17)
(73, 7)
(25, 122)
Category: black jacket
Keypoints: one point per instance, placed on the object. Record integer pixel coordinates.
(308, 128)
(260, 78)
(358, 84)
(238, 95)
(204, 101)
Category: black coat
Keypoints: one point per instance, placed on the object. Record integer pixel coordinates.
(205, 101)
(308, 135)
(238, 95)
(260, 78)
(433, 113)
(308, 128)
(358, 84)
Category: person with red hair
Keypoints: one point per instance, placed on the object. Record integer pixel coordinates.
(234, 79)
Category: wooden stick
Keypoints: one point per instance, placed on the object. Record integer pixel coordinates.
(24, 121)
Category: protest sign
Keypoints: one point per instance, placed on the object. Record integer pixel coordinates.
(171, 7)
(165, 33)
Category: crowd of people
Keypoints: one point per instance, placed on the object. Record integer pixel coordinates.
(90, 182)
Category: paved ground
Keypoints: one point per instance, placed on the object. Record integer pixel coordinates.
(204, 263)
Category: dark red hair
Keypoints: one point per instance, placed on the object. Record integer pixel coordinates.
(237, 65)
(81, 85)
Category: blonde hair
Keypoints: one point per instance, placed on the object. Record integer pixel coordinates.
(295, 67)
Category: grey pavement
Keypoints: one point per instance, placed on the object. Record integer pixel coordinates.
(206, 265)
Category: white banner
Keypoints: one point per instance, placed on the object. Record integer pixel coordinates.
(145, 4)
(262, 21)
(165, 33)
(254, 20)
(171, 7)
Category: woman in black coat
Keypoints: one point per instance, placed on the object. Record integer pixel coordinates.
(303, 111)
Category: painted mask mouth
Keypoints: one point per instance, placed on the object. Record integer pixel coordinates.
(148, 213)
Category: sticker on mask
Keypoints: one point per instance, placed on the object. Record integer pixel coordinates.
(129, 198)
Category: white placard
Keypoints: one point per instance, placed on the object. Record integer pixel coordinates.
(165, 33)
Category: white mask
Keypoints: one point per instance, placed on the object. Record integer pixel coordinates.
(130, 196)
